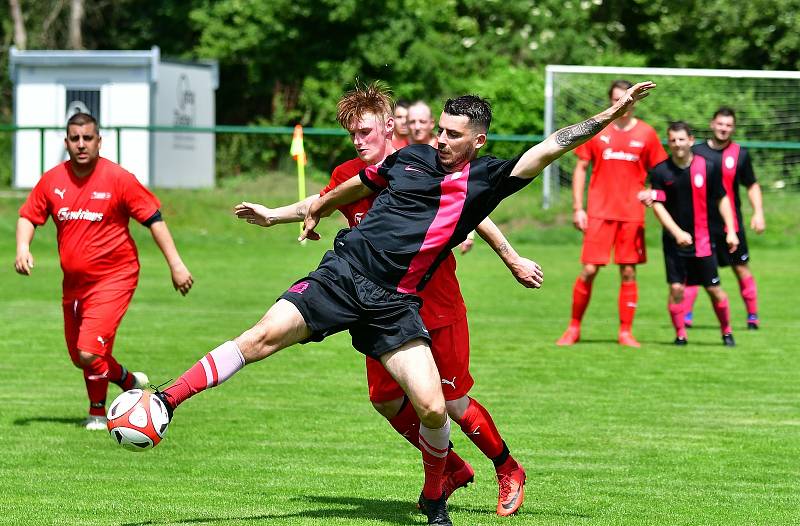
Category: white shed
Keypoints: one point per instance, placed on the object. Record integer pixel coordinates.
(121, 89)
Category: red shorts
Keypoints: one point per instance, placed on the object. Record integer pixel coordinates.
(626, 237)
(91, 321)
(450, 349)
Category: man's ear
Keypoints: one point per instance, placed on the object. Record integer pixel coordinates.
(388, 126)
(480, 140)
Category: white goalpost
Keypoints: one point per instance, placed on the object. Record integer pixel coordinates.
(767, 105)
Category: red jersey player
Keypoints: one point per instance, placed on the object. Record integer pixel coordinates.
(91, 200)
(620, 156)
(366, 115)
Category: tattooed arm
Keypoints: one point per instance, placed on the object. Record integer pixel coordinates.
(534, 160)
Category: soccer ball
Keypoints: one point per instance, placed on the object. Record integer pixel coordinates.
(137, 420)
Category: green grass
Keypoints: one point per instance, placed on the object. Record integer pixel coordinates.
(609, 436)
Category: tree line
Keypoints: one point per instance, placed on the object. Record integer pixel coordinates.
(287, 61)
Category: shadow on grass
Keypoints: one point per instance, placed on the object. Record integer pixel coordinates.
(389, 511)
(48, 420)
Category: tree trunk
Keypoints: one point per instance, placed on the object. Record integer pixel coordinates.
(20, 36)
(75, 23)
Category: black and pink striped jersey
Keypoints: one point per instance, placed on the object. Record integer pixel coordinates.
(690, 195)
(421, 213)
(737, 168)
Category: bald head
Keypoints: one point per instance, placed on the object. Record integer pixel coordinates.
(420, 123)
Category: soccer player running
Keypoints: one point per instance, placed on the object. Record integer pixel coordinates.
(686, 188)
(91, 200)
(365, 114)
(737, 169)
(367, 284)
(620, 157)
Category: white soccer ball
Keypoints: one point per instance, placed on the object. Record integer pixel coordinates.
(137, 420)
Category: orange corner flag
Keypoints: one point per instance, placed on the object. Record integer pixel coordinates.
(297, 150)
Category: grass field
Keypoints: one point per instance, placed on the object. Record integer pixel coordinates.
(609, 436)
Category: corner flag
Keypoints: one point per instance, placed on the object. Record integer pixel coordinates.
(297, 150)
(299, 154)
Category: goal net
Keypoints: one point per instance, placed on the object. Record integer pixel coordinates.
(767, 105)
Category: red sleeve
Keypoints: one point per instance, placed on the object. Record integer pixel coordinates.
(35, 208)
(584, 151)
(140, 202)
(337, 178)
(654, 152)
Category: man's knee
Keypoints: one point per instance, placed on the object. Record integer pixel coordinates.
(589, 272)
(85, 360)
(676, 291)
(627, 272)
(432, 413)
(457, 408)
(389, 409)
(280, 327)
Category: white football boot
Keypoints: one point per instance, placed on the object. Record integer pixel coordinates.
(95, 423)
(140, 380)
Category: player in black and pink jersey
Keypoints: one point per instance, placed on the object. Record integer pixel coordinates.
(687, 189)
(737, 169)
(430, 200)
(366, 114)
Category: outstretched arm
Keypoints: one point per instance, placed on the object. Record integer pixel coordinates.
(24, 261)
(347, 192)
(181, 277)
(534, 160)
(260, 215)
(528, 273)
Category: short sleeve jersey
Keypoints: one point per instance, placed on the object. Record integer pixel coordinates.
(422, 212)
(737, 169)
(91, 215)
(442, 303)
(689, 194)
(620, 160)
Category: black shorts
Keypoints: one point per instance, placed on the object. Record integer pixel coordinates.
(335, 297)
(689, 270)
(725, 258)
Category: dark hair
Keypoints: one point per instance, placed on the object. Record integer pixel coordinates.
(402, 103)
(621, 84)
(478, 110)
(725, 111)
(79, 119)
(374, 98)
(680, 126)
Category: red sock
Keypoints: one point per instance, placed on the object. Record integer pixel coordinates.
(628, 295)
(434, 444)
(478, 425)
(406, 423)
(678, 321)
(581, 294)
(723, 313)
(119, 374)
(96, 377)
(213, 369)
(689, 296)
(747, 286)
